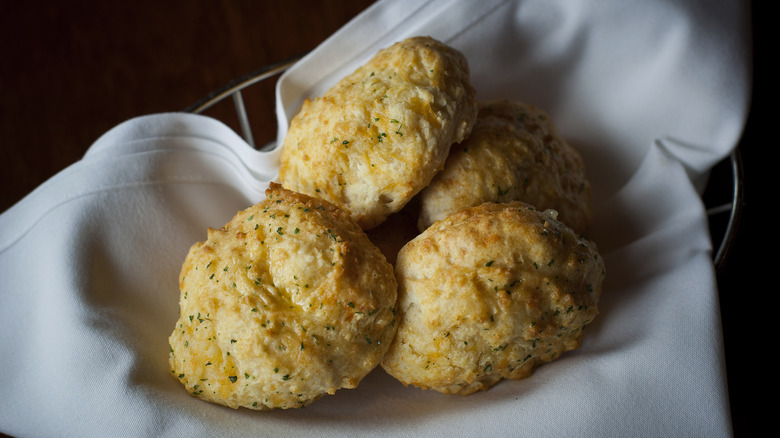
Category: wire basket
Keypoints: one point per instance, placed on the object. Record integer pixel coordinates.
(723, 197)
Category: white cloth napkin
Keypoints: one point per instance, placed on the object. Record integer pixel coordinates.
(652, 94)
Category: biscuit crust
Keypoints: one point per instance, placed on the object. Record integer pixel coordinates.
(512, 154)
(287, 302)
(489, 293)
(374, 140)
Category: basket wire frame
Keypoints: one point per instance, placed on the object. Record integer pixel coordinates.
(233, 90)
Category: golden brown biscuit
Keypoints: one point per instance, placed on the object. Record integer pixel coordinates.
(512, 154)
(287, 302)
(489, 293)
(377, 138)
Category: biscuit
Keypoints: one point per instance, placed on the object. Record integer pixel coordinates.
(374, 140)
(512, 154)
(489, 293)
(287, 302)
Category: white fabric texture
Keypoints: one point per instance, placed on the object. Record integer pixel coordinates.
(652, 93)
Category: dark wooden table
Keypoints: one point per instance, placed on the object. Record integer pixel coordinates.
(71, 70)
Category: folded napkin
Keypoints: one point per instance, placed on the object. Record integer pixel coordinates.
(651, 93)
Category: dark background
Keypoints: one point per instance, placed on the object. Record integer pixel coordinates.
(71, 70)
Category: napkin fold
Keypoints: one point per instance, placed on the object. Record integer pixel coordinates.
(652, 94)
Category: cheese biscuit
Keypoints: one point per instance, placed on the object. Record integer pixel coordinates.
(374, 140)
(287, 302)
(512, 154)
(489, 293)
